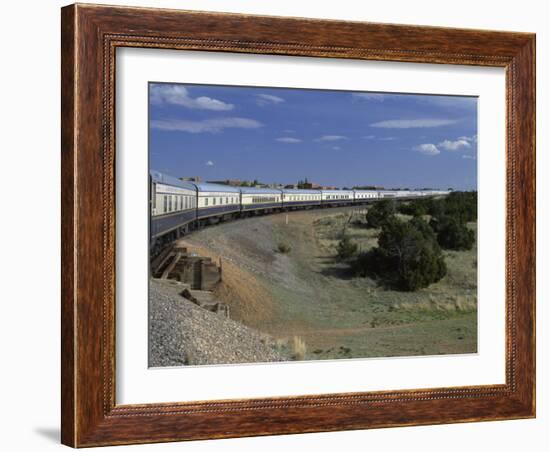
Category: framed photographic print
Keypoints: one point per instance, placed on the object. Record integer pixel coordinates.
(281, 225)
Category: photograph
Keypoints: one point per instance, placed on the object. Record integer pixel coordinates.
(294, 224)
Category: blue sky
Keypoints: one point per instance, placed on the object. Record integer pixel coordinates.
(337, 138)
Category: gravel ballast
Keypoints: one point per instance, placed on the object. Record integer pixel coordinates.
(182, 333)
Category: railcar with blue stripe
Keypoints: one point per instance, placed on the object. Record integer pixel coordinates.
(217, 200)
(364, 196)
(337, 197)
(260, 199)
(297, 197)
(173, 204)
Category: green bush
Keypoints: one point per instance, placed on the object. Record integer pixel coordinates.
(415, 207)
(461, 205)
(380, 212)
(407, 258)
(346, 248)
(284, 248)
(452, 234)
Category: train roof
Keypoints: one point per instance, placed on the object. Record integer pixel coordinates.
(258, 190)
(337, 191)
(298, 191)
(161, 178)
(206, 186)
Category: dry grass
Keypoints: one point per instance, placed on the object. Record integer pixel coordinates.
(295, 346)
(457, 303)
(298, 348)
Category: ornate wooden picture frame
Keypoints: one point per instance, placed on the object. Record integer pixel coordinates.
(90, 37)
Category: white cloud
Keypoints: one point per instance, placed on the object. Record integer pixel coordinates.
(288, 140)
(413, 123)
(336, 148)
(460, 143)
(209, 163)
(369, 96)
(268, 99)
(427, 149)
(472, 139)
(331, 138)
(179, 95)
(369, 137)
(388, 138)
(471, 157)
(206, 125)
(454, 145)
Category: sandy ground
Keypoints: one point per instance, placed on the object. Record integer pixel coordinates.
(307, 294)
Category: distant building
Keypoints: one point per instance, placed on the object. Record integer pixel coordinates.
(310, 185)
(232, 182)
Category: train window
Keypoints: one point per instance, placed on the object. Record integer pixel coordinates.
(213, 201)
(165, 204)
(206, 201)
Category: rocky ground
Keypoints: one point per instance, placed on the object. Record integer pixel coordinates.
(182, 333)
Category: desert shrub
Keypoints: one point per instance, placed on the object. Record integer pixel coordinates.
(407, 258)
(424, 228)
(461, 205)
(380, 212)
(452, 234)
(346, 248)
(415, 207)
(284, 248)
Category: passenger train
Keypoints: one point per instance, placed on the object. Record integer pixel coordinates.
(177, 207)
